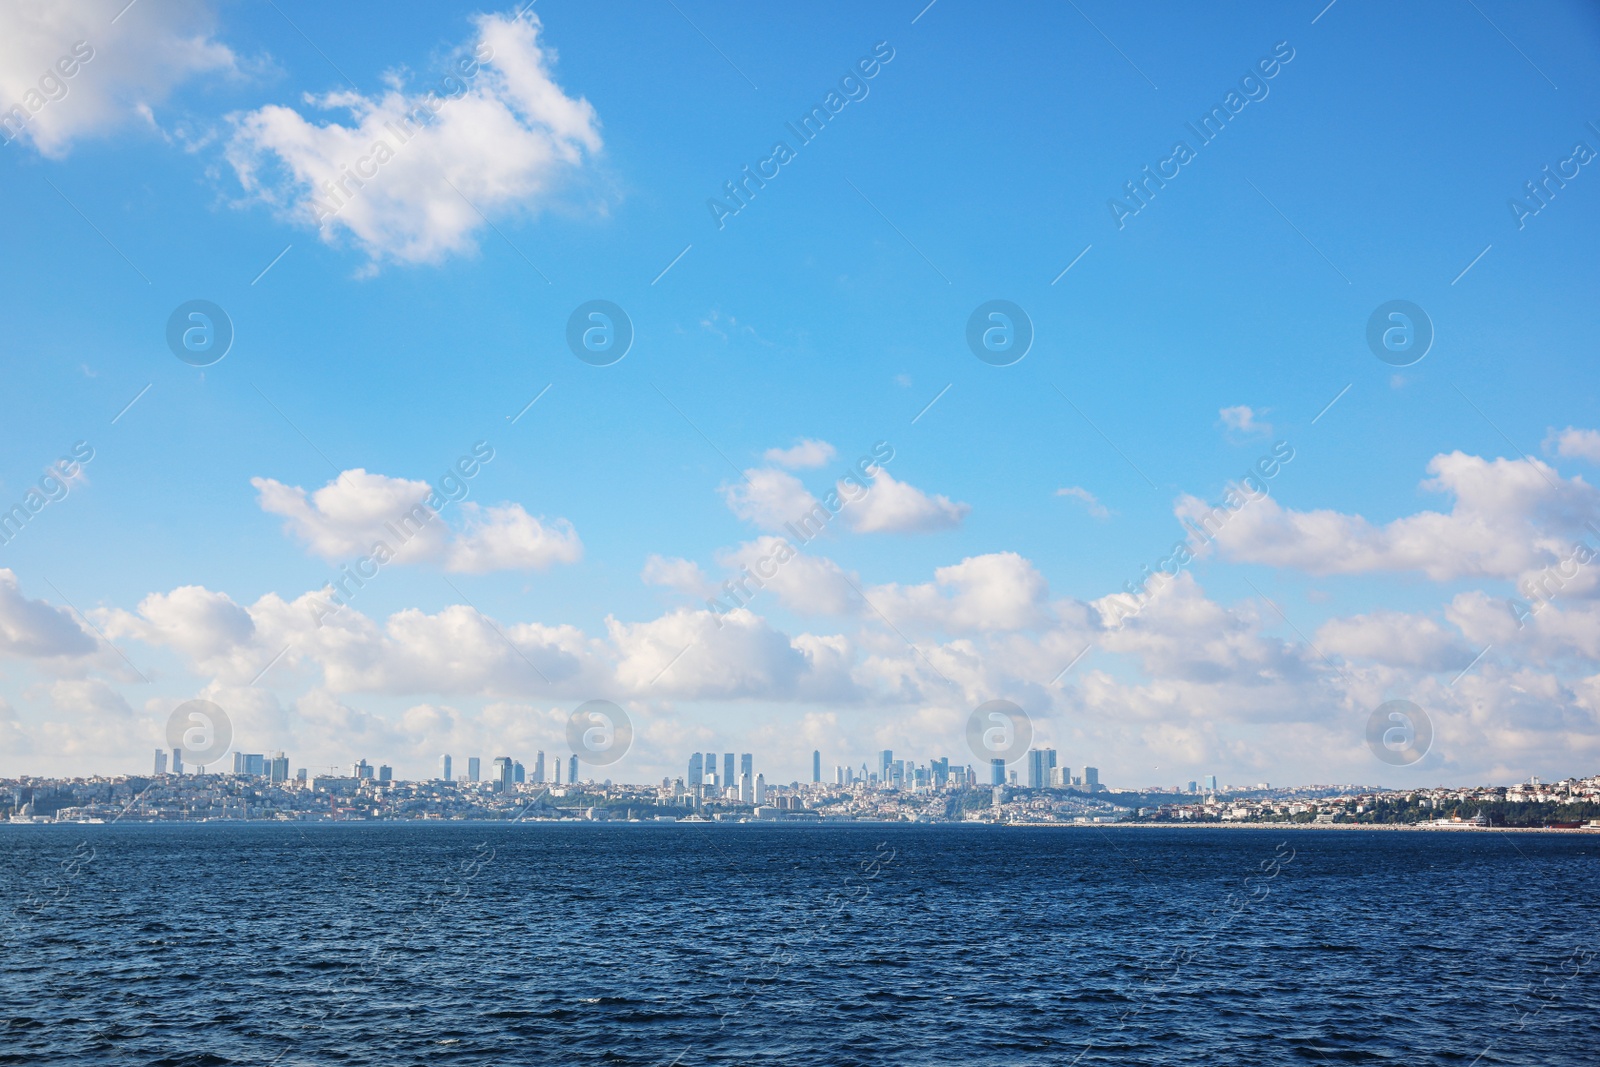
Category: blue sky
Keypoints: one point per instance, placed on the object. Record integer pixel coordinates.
(1219, 319)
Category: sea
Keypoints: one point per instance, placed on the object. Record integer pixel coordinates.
(679, 945)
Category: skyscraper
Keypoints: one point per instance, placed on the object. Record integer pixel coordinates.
(444, 767)
(747, 764)
(1041, 761)
(538, 767)
(710, 769)
(278, 768)
(747, 789)
(885, 762)
(1091, 779)
(816, 765)
(997, 771)
(697, 770)
(1210, 783)
(941, 771)
(518, 775)
(572, 770)
(761, 790)
(177, 761)
(385, 773)
(161, 761)
(728, 777)
(472, 768)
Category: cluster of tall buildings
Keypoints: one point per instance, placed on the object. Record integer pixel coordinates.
(731, 776)
(506, 771)
(732, 781)
(1040, 771)
(274, 768)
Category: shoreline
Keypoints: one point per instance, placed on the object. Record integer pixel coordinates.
(787, 824)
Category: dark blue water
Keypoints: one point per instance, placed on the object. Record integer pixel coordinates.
(484, 944)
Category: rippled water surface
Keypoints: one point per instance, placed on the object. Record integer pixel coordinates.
(639, 944)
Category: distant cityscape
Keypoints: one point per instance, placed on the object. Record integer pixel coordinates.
(728, 787)
(710, 776)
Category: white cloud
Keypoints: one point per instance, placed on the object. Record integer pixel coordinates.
(120, 70)
(505, 537)
(805, 583)
(1183, 635)
(676, 573)
(194, 620)
(1506, 519)
(736, 655)
(1090, 503)
(35, 629)
(806, 454)
(347, 517)
(996, 592)
(1244, 420)
(498, 140)
(1394, 639)
(1574, 444)
(897, 507)
(768, 498)
(344, 517)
